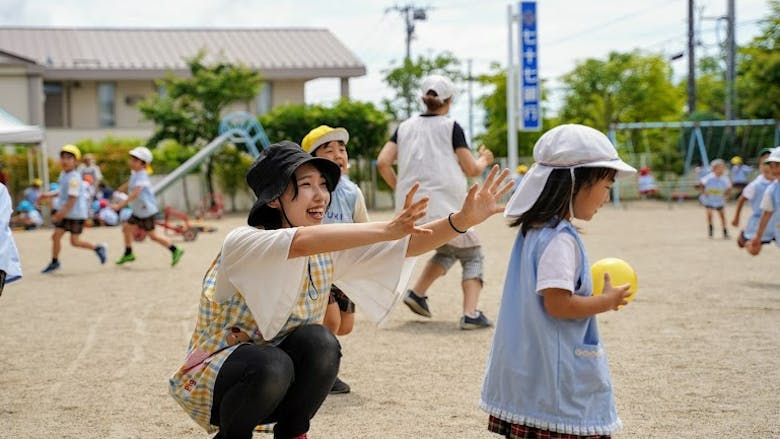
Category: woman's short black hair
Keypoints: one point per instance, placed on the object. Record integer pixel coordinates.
(553, 203)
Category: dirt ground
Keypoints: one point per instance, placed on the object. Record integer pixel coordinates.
(86, 352)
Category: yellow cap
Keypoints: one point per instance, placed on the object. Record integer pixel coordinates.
(736, 160)
(37, 182)
(522, 169)
(72, 149)
(322, 135)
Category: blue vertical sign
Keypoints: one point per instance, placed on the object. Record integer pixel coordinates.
(530, 90)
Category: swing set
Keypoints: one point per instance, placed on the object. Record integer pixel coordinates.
(696, 142)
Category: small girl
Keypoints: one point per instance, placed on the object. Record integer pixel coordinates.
(547, 374)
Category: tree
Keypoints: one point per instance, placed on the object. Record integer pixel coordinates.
(230, 167)
(406, 79)
(189, 109)
(758, 84)
(496, 128)
(626, 87)
(366, 124)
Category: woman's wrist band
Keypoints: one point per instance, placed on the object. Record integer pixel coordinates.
(449, 220)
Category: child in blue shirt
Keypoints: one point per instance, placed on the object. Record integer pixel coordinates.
(547, 374)
(347, 205)
(144, 205)
(753, 193)
(770, 206)
(72, 210)
(714, 192)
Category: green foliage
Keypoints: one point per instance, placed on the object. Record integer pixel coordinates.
(367, 126)
(495, 135)
(406, 78)
(758, 87)
(627, 87)
(169, 154)
(189, 110)
(230, 167)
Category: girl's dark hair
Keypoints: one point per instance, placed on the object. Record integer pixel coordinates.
(432, 102)
(553, 202)
(273, 220)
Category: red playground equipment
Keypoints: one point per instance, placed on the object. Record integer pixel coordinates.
(212, 206)
(175, 223)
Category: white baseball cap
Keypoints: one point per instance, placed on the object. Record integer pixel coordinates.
(142, 153)
(774, 156)
(443, 87)
(565, 147)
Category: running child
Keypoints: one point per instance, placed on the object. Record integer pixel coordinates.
(714, 191)
(753, 193)
(144, 205)
(770, 206)
(72, 209)
(547, 374)
(259, 353)
(347, 205)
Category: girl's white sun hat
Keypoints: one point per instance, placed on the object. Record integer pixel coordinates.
(565, 147)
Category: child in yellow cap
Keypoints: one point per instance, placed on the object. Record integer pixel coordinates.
(347, 205)
(72, 205)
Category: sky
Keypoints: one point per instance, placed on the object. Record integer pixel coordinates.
(570, 31)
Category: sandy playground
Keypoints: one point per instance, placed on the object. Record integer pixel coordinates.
(86, 352)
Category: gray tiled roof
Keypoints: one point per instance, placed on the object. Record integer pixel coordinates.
(106, 52)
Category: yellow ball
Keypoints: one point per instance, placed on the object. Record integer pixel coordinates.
(620, 273)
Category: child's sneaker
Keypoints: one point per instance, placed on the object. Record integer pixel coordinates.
(175, 256)
(101, 252)
(418, 304)
(53, 265)
(478, 322)
(710, 230)
(125, 258)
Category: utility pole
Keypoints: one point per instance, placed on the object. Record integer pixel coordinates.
(691, 61)
(731, 71)
(410, 13)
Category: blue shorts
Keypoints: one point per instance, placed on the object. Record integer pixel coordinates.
(470, 258)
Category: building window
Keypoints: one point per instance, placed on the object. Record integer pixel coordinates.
(107, 104)
(52, 107)
(264, 99)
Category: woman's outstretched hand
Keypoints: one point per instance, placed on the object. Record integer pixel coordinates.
(413, 211)
(482, 200)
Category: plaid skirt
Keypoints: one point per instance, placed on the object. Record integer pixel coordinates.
(517, 431)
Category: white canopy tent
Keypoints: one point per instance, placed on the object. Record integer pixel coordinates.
(14, 132)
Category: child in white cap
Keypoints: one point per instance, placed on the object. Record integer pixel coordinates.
(547, 374)
(431, 149)
(753, 193)
(144, 205)
(714, 192)
(770, 206)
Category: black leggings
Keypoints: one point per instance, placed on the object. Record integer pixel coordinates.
(285, 384)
